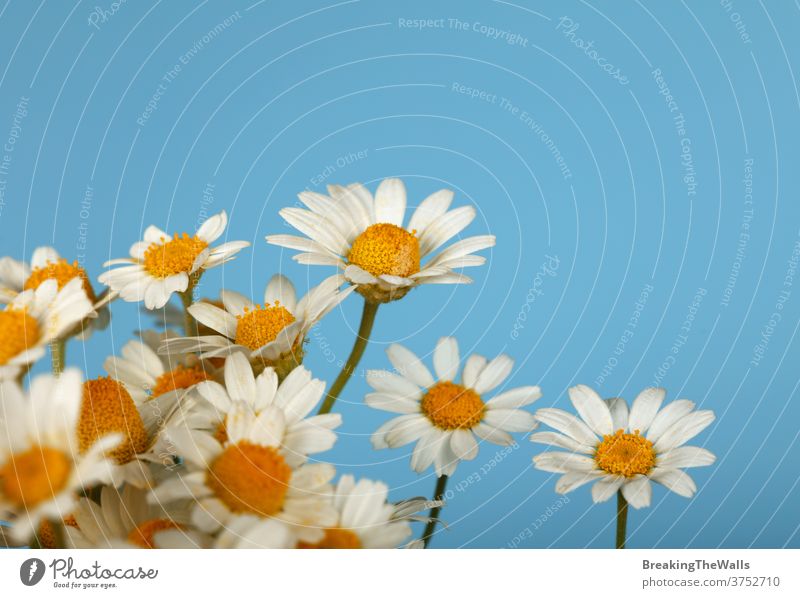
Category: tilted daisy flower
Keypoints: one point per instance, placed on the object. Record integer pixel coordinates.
(365, 517)
(443, 416)
(365, 237)
(622, 451)
(36, 318)
(161, 265)
(287, 405)
(248, 474)
(46, 264)
(41, 469)
(146, 374)
(271, 334)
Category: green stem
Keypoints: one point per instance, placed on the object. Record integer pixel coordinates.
(364, 330)
(438, 494)
(622, 519)
(189, 323)
(58, 354)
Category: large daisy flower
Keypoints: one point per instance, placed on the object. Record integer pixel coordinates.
(161, 265)
(618, 450)
(37, 317)
(365, 237)
(41, 469)
(271, 333)
(47, 264)
(286, 406)
(443, 416)
(248, 475)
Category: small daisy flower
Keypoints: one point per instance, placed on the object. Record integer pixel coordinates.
(270, 334)
(286, 405)
(248, 475)
(36, 318)
(365, 517)
(618, 450)
(161, 265)
(365, 237)
(443, 416)
(41, 469)
(47, 264)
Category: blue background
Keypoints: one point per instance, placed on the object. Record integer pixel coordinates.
(289, 88)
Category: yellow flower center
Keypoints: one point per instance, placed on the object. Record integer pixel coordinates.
(142, 535)
(179, 378)
(386, 249)
(107, 408)
(62, 271)
(250, 478)
(625, 454)
(18, 332)
(261, 325)
(38, 474)
(174, 256)
(335, 537)
(450, 406)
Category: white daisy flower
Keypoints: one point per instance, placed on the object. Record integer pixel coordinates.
(249, 475)
(243, 531)
(36, 318)
(623, 451)
(286, 405)
(41, 469)
(161, 265)
(443, 416)
(365, 237)
(271, 333)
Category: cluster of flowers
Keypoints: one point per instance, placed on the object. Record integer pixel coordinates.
(208, 437)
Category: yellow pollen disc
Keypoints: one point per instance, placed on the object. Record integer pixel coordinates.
(174, 256)
(625, 454)
(261, 325)
(142, 536)
(46, 534)
(180, 377)
(386, 249)
(62, 271)
(450, 406)
(38, 474)
(70, 521)
(250, 478)
(335, 537)
(18, 332)
(107, 408)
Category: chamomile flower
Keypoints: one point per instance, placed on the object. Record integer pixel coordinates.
(248, 475)
(618, 450)
(37, 317)
(287, 405)
(365, 237)
(161, 265)
(271, 333)
(41, 469)
(443, 416)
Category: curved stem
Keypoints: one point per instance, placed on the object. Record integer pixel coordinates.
(438, 494)
(364, 330)
(58, 354)
(189, 323)
(622, 519)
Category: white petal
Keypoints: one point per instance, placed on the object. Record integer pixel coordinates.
(281, 289)
(410, 366)
(684, 429)
(391, 383)
(644, 409)
(574, 479)
(514, 398)
(510, 420)
(676, 480)
(592, 409)
(619, 413)
(215, 318)
(559, 462)
(463, 444)
(390, 202)
(472, 369)
(446, 358)
(495, 372)
(606, 487)
(638, 492)
(239, 379)
(668, 416)
(559, 440)
(235, 303)
(568, 424)
(429, 210)
(213, 227)
(686, 456)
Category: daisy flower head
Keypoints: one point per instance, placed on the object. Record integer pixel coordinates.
(161, 265)
(248, 474)
(365, 237)
(269, 334)
(37, 317)
(444, 417)
(623, 450)
(41, 469)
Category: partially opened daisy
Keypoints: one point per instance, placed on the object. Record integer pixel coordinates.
(161, 265)
(269, 334)
(622, 451)
(36, 318)
(41, 469)
(248, 475)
